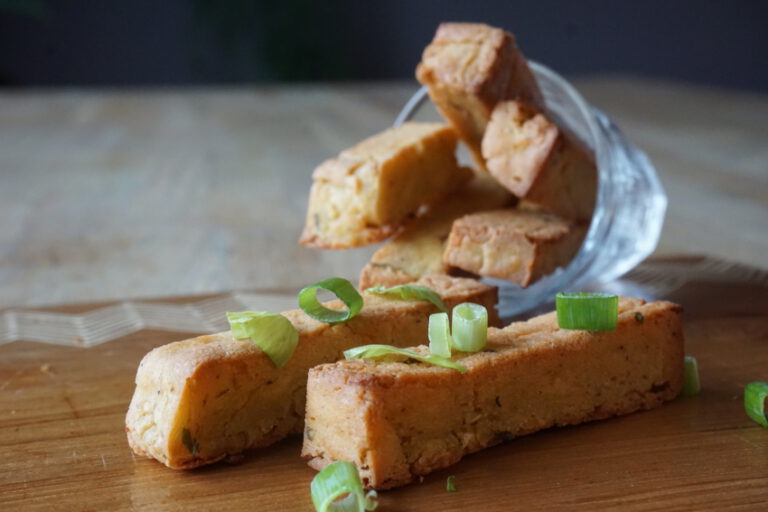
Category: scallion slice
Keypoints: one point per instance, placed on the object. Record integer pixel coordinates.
(587, 311)
(340, 287)
(273, 333)
(374, 351)
(335, 481)
(439, 333)
(450, 484)
(410, 292)
(755, 394)
(470, 327)
(691, 384)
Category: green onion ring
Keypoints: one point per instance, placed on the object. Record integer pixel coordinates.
(470, 327)
(410, 292)
(439, 333)
(374, 351)
(272, 333)
(755, 394)
(587, 311)
(340, 287)
(336, 480)
(691, 384)
(450, 484)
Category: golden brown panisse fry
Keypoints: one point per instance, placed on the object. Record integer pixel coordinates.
(417, 250)
(515, 245)
(366, 193)
(469, 68)
(200, 400)
(538, 162)
(399, 421)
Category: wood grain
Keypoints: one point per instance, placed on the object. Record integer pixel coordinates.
(61, 436)
(144, 193)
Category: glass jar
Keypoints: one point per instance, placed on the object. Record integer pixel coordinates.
(631, 202)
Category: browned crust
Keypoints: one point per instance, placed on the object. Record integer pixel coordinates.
(482, 293)
(537, 377)
(366, 193)
(503, 72)
(417, 250)
(365, 236)
(518, 246)
(178, 385)
(538, 162)
(517, 145)
(468, 68)
(383, 274)
(569, 187)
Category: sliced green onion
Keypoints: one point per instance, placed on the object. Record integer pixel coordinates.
(691, 384)
(337, 480)
(410, 292)
(587, 311)
(470, 327)
(450, 484)
(755, 394)
(273, 333)
(374, 351)
(439, 335)
(342, 288)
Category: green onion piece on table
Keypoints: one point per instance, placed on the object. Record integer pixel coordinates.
(587, 311)
(755, 394)
(410, 292)
(470, 327)
(342, 288)
(439, 335)
(337, 480)
(374, 351)
(691, 384)
(273, 333)
(450, 484)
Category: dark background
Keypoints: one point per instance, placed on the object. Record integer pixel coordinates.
(174, 42)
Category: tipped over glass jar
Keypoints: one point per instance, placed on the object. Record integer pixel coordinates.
(629, 212)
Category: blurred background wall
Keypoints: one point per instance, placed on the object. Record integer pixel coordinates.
(175, 42)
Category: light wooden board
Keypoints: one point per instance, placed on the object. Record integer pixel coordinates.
(63, 446)
(143, 193)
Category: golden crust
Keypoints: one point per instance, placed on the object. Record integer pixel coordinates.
(417, 250)
(384, 274)
(228, 396)
(362, 236)
(381, 415)
(370, 190)
(517, 144)
(468, 68)
(538, 162)
(518, 246)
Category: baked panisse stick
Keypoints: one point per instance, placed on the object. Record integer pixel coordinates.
(366, 193)
(514, 245)
(200, 400)
(417, 250)
(538, 162)
(469, 68)
(399, 421)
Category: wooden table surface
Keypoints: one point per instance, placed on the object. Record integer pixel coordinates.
(114, 195)
(62, 411)
(109, 195)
